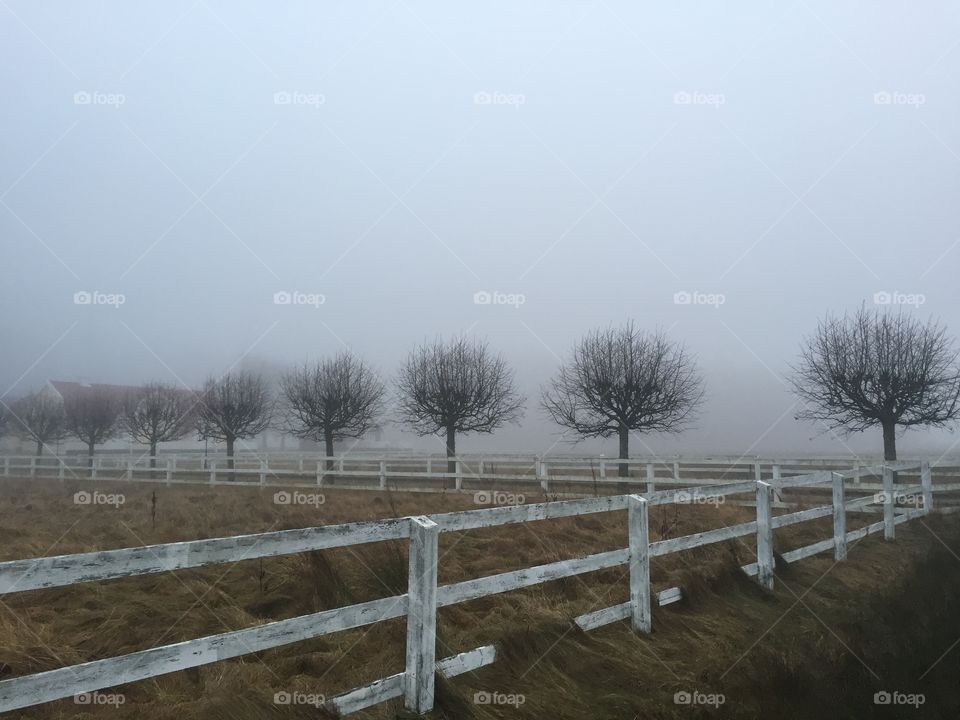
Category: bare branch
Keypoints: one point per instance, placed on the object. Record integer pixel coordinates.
(878, 368)
(158, 413)
(92, 415)
(459, 386)
(38, 417)
(234, 407)
(336, 398)
(620, 380)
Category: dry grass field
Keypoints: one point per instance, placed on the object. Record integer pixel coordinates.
(726, 636)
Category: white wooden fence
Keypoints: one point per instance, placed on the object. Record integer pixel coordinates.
(560, 475)
(423, 597)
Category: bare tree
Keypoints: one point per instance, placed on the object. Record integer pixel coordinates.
(158, 413)
(878, 368)
(92, 417)
(622, 379)
(456, 387)
(38, 417)
(336, 398)
(235, 407)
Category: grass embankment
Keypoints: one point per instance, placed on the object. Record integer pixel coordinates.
(820, 645)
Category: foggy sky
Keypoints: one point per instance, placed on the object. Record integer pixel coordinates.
(816, 164)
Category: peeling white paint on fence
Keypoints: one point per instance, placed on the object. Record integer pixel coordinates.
(419, 605)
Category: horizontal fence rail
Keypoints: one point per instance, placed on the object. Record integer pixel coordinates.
(556, 476)
(420, 603)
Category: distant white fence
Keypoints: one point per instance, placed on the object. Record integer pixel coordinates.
(423, 597)
(575, 476)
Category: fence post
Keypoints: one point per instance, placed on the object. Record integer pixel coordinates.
(776, 472)
(544, 477)
(839, 519)
(33, 466)
(321, 471)
(603, 469)
(888, 503)
(764, 537)
(856, 474)
(213, 471)
(94, 466)
(480, 468)
(263, 473)
(651, 485)
(639, 530)
(418, 677)
(129, 469)
(429, 466)
(383, 475)
(676, 471)
(757, 473)
(458, 483)
(926, 483)
(171, 464)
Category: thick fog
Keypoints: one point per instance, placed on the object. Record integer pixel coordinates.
(727, 173)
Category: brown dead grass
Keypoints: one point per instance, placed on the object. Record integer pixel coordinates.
(561, 671)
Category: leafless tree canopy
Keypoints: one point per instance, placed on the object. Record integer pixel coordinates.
(158, 413)
(92, 417)
(38, 417)
(878, 368)
(234, 407)
(620, 380)
(460, 386)
(334, 399)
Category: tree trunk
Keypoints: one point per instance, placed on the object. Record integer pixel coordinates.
(328, 448)
(90, 457)
(230, 440)
(889, 441)
(39, 448)
(451, 450)
(153, 455)
(624, 470)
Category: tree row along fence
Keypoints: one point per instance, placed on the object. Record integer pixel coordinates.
(559, 476)
(419, 605)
